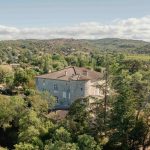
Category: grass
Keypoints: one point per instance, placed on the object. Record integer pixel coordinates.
(142, 57)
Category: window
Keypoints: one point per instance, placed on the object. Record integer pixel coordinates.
(64, 94)
(57, 101)
(43, 82)
(55, 87)
(69, 95)
(81, 89)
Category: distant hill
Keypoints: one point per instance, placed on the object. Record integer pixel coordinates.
(65, 46)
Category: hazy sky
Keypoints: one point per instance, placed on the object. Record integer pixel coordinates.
(23, 18)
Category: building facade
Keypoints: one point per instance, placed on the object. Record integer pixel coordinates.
(69, 84)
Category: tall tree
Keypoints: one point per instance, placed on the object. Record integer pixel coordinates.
(123, 113)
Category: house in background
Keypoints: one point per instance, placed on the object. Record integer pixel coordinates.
(71, 83)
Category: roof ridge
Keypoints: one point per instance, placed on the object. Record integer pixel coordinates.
(76, 73)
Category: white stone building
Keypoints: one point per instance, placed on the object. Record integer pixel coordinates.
(71, 83)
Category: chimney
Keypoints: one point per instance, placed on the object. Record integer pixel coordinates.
(65, 73)
(85, 73)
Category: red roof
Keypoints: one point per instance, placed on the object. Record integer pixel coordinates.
(73, 73)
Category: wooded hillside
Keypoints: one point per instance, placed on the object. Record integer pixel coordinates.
(10, 50)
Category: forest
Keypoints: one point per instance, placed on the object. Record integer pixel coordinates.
(120, 121)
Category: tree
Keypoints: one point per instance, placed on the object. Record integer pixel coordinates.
(86, 142)
(41, 102)
(123, 113)
(9, 110)
(30, 129)
(20, 77)
(47, 60)
(6, 74)
(139, 135)
(24, 146)
(2, 148)
(62, 134)
(60, 145)
(72, 60)
(140, 87)
(78, 120)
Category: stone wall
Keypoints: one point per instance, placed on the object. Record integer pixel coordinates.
(65, 91)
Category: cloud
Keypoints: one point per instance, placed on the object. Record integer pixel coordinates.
(132, 28)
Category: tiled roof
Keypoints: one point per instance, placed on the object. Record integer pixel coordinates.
(73, 73)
